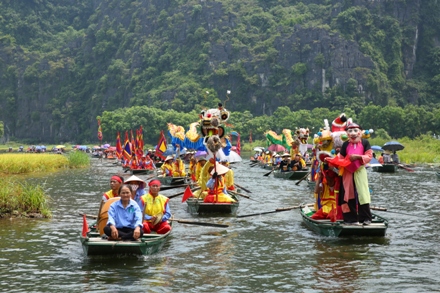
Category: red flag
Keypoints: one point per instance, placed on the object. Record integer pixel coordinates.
(118, 146)
(238, 146)
(99, 130)
(188, 193)
(141, 140)
(85, 227)
(193, 177)
(161, 146)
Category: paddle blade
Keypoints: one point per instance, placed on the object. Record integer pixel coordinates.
(268, 173)
(187, 194)
(85, 228)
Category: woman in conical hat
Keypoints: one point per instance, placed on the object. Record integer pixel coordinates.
(138, 186)
(217, 191)
(167, 166)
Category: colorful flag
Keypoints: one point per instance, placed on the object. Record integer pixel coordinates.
(118, 146)
(161, 146)
(99, 130)
(127, 148)
(187, 194)
(140, 138)
(85, 228)
(238, 146)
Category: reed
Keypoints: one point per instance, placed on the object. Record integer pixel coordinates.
(30, 163)
(78, 159)
(24, 199)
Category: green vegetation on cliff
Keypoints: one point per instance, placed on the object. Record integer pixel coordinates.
(64, 62)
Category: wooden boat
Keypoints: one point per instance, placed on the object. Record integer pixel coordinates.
(377, 228)
(386, 168)
(168, 180)
(94, 244)
(141, 171)
(265, 165)
(197, 206)
(291, 175)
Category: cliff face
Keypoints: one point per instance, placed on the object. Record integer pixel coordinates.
(166, 54)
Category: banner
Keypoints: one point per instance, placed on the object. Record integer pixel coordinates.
(161, 146)
(127, 148)
(118, 146)
(99, 130)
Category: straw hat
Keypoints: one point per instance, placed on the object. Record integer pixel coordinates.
(202, 158)
(277, 156)
(136, 179)
(169, 158)
(220, 169)
(285, 155)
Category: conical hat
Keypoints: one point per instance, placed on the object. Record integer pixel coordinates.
(136, 179)
(220, 169)
(169, 158)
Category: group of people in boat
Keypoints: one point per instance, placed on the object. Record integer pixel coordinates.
(138, 211)
(341, 182)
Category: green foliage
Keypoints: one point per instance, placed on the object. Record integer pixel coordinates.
(67, 61)
(78, 159)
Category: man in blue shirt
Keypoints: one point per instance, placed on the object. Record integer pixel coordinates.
(124, 217)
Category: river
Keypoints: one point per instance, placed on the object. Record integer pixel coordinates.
(267, 253)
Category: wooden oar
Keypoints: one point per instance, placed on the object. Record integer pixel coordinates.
(180, 193)
(386, 210)
(173, 186)
(89, 216)
(247, 190)
(199, 223)
(299, 181)
(268, 173)
(254, 165)
(243, 195)
(275, 211)
(406, 168)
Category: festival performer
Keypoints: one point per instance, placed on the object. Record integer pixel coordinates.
(356, 152)
(203, 179)
(216, 184)
(326, 189)
(156, 209)
(178, 168)
(201, 161)
(229, 176)
(124, 217)
(167, 167)
(148, 163)
(115, 182)
(138, 186)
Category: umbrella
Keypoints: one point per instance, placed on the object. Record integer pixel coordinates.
(393, 146)
(200, 154)
(276, 148)
(60, 146)
(376, 148)
(106, 146)
(233, 157)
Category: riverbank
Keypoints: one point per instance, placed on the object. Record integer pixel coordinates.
(21, 199)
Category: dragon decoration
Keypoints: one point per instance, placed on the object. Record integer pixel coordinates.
(209, 133)
(296, 140)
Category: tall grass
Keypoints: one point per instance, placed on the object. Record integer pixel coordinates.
(23, 199)
(29, 163)
(78, 159)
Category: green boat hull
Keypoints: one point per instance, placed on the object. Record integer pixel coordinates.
(173, 180)
(93, 244)
(141, 171)
(327, 228)
(386, 168)
(291, 175)
(197, 206)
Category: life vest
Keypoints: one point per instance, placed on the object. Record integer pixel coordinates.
(103, 214)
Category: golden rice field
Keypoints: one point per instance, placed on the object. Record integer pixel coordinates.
(30, 163)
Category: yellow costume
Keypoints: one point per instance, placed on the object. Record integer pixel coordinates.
(202, 180)
(179, 168)
(167, 168)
